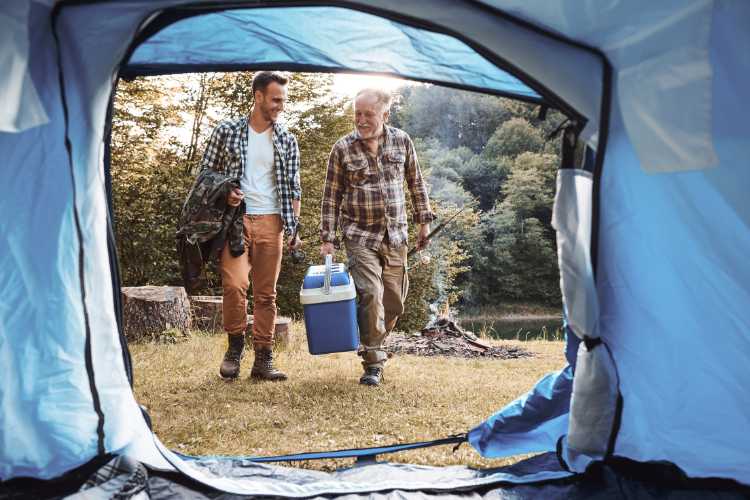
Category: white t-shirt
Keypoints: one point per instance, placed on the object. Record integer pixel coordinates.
(258, 182)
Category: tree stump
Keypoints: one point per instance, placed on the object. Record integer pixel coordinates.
(207, 312)
(149, 308)
(280, 330)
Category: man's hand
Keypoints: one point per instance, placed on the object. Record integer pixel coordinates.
(234, 197)
(328, 249)
(424, 230)
(293, 242)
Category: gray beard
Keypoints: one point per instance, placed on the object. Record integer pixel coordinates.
(367, 134)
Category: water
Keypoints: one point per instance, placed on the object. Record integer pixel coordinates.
(503, 329)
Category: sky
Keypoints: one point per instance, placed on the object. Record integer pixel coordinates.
(349, 84)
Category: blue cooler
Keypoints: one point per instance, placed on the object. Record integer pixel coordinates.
(328, 304)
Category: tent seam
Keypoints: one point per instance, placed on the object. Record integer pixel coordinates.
(79, 233)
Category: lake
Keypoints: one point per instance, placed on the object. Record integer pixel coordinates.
(510, 329)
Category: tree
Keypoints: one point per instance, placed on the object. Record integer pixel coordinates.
(513, 257)
(454, 117)
(148, 186)
(512, 138)
(511, 164)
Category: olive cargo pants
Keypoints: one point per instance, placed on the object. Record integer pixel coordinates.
(262, 260)
(381, 282)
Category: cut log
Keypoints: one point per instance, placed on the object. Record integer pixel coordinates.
(147, 309)
(207, 312)
(280, 331)
(480, 343)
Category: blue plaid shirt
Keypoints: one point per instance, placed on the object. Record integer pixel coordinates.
(226, 152)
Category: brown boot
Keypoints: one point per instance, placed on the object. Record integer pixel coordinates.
(263, 366)
(230, 366)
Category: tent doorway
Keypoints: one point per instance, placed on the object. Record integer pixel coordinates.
(193, 411)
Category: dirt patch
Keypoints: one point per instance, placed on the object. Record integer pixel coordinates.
(447, 339)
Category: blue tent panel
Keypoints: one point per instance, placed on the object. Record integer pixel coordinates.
(324, 37)
(530, 424)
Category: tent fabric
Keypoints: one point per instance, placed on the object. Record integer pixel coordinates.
(670, 216)
(543, 61)
(19, 100)
(593, 407)
(594, 400)
(617, 480)
(292, 483)
(532, 423)
(571, 219)
(331, 39)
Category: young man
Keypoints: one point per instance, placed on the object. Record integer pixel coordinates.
(364, 194)
(265, 157)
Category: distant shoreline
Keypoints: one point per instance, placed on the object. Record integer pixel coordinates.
(511, 317)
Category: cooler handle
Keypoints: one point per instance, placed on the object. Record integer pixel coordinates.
(327, 281)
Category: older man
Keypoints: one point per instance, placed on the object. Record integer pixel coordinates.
(364, 196)
(265, 157)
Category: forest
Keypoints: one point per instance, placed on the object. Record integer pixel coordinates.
(502, 250)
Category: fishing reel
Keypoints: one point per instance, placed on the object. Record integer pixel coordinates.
(424, 259)
(298, 256)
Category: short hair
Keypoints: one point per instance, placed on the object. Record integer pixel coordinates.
(379, 94)
(263, 78)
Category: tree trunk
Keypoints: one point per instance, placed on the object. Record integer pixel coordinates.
(147, 309)
(280, 331)
(207, 312)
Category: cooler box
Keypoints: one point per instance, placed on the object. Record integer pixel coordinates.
(328, 304)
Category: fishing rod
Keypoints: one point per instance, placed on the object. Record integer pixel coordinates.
(440, 227)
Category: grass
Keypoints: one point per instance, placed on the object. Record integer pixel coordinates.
(322, 407)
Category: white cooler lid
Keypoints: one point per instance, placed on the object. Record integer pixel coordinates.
(316, 295)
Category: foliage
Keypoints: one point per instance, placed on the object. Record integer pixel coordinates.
(148, 187)
(512, 138)
(513, 256)
(453, 117)
(512, 168)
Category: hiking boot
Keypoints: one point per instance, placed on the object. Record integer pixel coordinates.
(373, 375)
(230, 366)
(263, 366)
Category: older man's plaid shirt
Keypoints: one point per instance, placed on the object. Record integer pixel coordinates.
(226, 152)
(364, 192)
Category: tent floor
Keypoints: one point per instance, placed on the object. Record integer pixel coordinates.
(619, 479)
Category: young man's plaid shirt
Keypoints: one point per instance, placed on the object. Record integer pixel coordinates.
(226, 152)
(364, 192)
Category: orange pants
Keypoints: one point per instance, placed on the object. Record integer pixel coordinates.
(262, 261)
